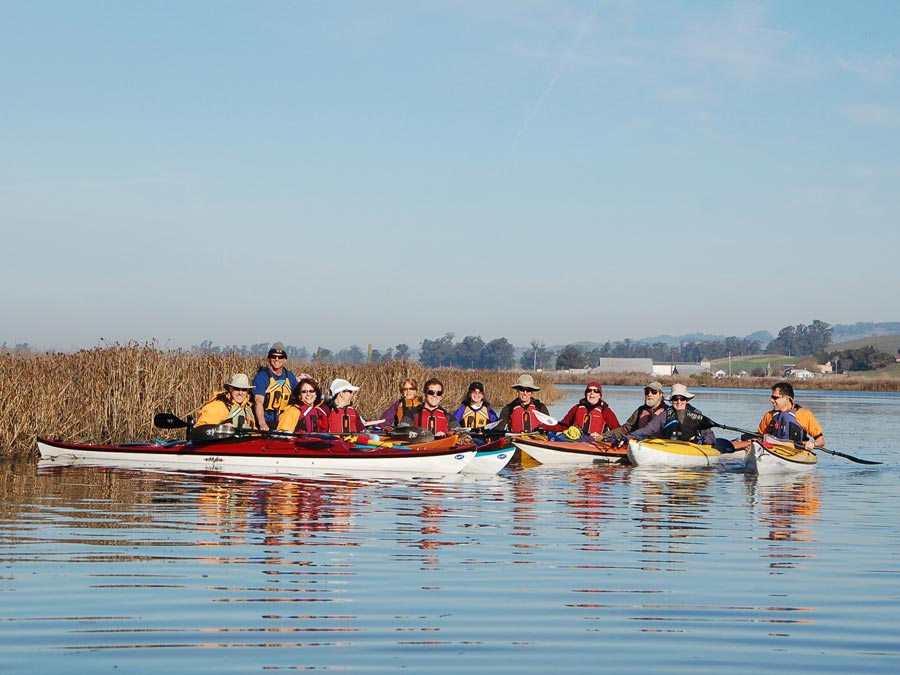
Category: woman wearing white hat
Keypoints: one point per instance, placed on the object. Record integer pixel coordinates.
(343, 418)
(231, 407)
(517, 416)
(682, 421)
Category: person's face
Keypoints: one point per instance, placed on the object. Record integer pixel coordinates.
(307, 394)
(344, 398)
(476, 396)
(276, 363)
(524, 395)
(433, 395)
(780, 402)
(652, 398)
(679, 402)
(592, 394)
(409, 391)
(239, 395)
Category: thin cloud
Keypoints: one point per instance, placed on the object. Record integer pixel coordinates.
(880, 70)
(871, 114)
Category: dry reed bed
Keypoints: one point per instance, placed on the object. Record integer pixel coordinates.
(110, 394)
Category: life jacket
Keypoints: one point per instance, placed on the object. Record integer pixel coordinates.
(475, 419)
(646, 415)
(590, 419)
(278, 391)
(688, 430)
(312, 419)
(241, 416)
(522, 419)
(343, 420)
(433, 420)
(403, 408)
(784, 425)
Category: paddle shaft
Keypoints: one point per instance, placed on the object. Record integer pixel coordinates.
(756, 434)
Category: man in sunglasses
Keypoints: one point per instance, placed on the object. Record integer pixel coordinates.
(517, 416)
(789, 421)
(592, 415)
(654, 405)
(430, 414)
(272, 387)
(682, 421)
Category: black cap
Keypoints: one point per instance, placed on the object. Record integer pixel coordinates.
(476, 385)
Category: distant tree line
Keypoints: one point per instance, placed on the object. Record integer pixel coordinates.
(474, 353)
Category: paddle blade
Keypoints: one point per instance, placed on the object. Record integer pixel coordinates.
(546, 420)
(411, 435)
(858, 460)
(168, 421)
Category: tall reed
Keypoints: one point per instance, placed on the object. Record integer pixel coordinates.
(110, 394)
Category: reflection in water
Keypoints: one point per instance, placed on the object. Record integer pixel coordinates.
(501, 572)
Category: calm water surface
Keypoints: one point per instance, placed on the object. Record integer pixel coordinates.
(535, 570)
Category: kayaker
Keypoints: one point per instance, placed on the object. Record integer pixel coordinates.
(654, 405)
(592, 415)
(272, 387)
(475, 410)
(789, 421)
(409, 398)
(517, 415)
(681, 422)
(231, 407)
(342, 416)
(304, 412)
(430, 414)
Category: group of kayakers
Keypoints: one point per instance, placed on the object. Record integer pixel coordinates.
(279, 400)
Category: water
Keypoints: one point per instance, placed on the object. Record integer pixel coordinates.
(537, 569)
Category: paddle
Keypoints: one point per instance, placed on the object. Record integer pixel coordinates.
(756, 434)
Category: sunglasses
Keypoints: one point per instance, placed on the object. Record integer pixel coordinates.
(434, 392)
(307, 391)
(277, 356)
(775, 398)
(591, 390)
(650, 392)
(678, 399)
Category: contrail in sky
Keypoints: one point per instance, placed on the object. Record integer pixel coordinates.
(559, 69)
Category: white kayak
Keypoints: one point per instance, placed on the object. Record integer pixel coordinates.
(664, 452)
(770, 456)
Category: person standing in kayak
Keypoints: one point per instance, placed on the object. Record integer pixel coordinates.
(791, 422)
(682, 421)
(592, 415)
(431, 415)
(272, 387)
(231, 407)
(654, 405)
(517, 416)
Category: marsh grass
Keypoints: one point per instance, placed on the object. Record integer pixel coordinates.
(110, 394)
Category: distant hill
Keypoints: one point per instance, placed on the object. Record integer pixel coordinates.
(889, 344)
(847, 332)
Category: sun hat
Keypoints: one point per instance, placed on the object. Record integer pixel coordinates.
(339, 385)
(239, 381)
(680, 390)
(525, 381)
(655, 386)
(277, 349)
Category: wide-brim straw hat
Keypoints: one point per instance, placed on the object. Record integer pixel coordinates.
(239, 381)
(525, 381)
(680, 390)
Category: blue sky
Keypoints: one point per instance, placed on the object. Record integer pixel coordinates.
(338, 173)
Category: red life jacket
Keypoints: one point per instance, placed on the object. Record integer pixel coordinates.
(343, 420)
(522, 419)
(312, 420)
(591, 421)
(433, 420)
